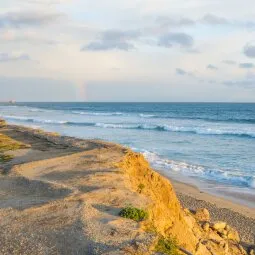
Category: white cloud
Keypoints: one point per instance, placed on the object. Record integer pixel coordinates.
(145, 40)
(249, 50)
(28, 18)
(171, 39)
(9, 57)
(246, 65)
(212, 67)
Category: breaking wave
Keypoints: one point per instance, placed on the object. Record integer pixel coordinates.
(172, 128)
(160, 128)
(228, 177)
(212, 119)
(98, 113)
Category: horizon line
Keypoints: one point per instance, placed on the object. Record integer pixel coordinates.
(131, 102)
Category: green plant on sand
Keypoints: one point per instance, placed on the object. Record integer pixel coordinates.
(167, 246)
(133, 213)
(141, 187)
(5, 158)
(8, 144)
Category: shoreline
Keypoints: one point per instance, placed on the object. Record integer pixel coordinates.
(244, 196)
(238, 216)
(181, 186)
(216, 191)
(221, 202)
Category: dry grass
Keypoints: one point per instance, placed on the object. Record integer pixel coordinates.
(167, 246)
(2, 123)
(8, 144)
(5, 158)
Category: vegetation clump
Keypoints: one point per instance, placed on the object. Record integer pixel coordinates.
(141, 187)
(8, 144)
(167, 246)
(133, 213)
(5, 158)
(2, 123)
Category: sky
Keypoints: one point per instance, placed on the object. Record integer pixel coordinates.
(139, 50)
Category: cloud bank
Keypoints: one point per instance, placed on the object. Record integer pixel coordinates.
(195, 50)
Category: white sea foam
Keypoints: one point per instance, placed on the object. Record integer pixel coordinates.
(208, 130)
(12, 117)
(175, 166)
(35, 120)
(98, 113)
(187, 129)
(118, 126)
(142, 115)
(224, 176)
(52, 121)
(201, 130)
(39, 110)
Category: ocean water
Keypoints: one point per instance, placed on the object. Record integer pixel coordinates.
(211, 145)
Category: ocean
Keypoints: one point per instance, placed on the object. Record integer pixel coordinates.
(211, 145)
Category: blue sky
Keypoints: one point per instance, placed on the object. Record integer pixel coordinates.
(140, 50)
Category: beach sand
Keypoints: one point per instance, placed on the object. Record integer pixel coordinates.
(238, 216)
(69, 190)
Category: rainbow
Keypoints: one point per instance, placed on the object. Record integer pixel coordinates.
(81, 92)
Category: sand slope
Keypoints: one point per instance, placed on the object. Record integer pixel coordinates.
(68, 204)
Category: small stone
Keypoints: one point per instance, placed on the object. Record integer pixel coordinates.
(252, 252)
(190, 220)
(113, 232)
(225, 232)
(227, 227)
(226, 248)
(186, 210)
(223, 236)
(222, 243)
(202, 215)
(222, 232)
(219, 225)
(206, 226)
(233, 235)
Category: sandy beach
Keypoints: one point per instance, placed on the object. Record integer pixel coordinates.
(239, 216)
(62, 188)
